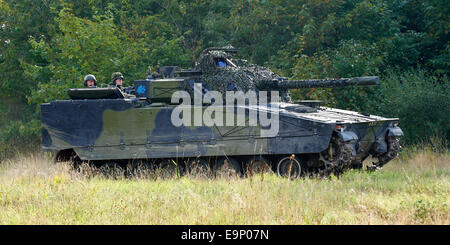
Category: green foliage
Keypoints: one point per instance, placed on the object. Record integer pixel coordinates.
(350, 58)
(82, 47)
(96, 47)
(47, 47)
(420, 99)
(18, 136)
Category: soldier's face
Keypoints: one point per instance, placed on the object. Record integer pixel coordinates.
(90, 83)
(119, 81)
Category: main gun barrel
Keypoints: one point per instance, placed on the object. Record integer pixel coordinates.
(319, 83)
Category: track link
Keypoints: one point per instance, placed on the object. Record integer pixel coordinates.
(336, 158)
(393, 149)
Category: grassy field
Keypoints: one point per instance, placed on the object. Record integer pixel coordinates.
(413, 189)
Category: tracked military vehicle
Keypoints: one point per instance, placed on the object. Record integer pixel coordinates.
(106, 125)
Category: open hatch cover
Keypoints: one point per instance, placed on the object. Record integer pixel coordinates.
(95, 93)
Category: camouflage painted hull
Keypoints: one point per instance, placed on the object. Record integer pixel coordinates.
(122, 129)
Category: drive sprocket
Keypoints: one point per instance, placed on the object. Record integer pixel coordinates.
(336, 158)
(393, 144)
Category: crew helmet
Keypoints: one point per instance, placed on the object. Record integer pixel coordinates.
(115, 76)
(90, 77)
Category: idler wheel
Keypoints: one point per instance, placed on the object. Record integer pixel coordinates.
(290, 167)
(140, 167)
(227, 167)
(337, 157)
(169, 168)
(198, 167)
(76, 162)
(393, 149)
(258, 165)
(111, 169)
(357, 165)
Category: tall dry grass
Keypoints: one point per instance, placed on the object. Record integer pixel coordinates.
(412, 189)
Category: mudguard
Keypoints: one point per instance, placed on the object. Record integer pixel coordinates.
(347, 135)
(395, 131)
(380, 146)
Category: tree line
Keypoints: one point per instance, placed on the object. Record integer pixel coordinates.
(48, 46)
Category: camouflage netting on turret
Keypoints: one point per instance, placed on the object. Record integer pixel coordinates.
(237, 75)
(207, 61)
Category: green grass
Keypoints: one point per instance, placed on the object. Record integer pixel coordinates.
(413, 189)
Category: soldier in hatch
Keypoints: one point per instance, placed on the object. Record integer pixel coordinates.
(117, 80)
(90, 81)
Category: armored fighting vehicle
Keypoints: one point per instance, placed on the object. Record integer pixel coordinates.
(163, 121)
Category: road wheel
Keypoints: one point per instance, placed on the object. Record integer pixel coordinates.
(337, 157)
(111, 169)
(198, 167)
(169, 168)
(227, 167)
(258, 165)
(291, 167)
(394, 147)
(140, 168)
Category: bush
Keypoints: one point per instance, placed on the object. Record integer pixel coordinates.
(420, 99)
(17, 136)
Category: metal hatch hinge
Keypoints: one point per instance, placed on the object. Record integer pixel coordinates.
(122, 141)
(149, 141)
